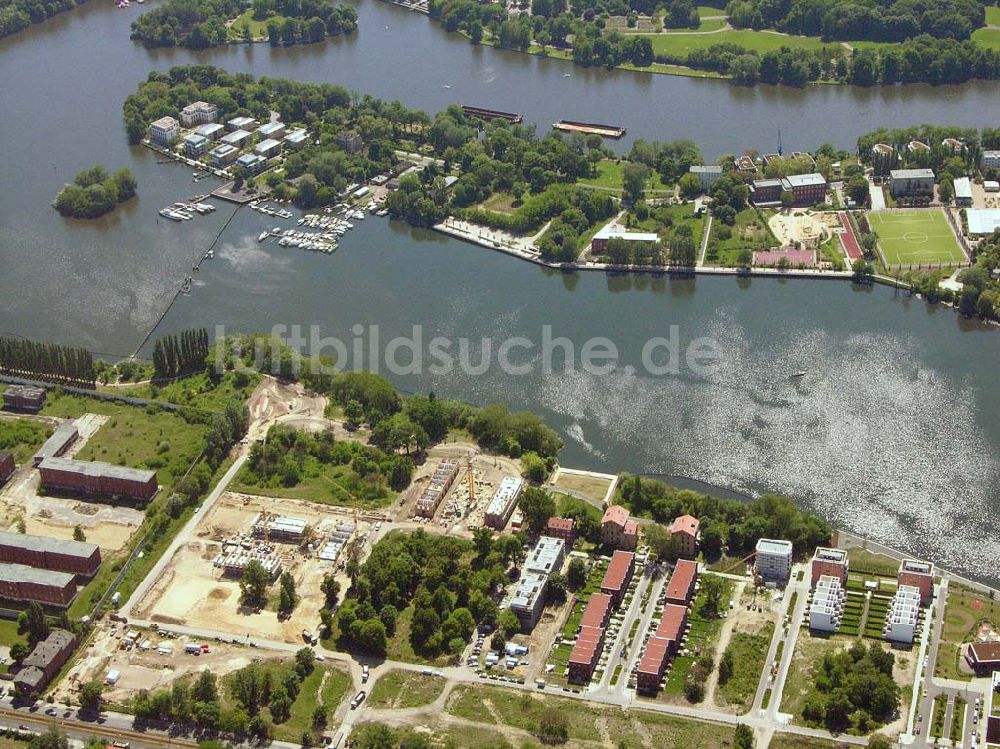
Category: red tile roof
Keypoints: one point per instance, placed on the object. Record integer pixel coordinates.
(654, 657)
(562, 524)
(596, 611)
(615, 514)
(671, 625)
(588, 645)
(614, 578)
(685, 524)
(681, 581)
(631, 528)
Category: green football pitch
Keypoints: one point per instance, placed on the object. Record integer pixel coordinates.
(916, 236)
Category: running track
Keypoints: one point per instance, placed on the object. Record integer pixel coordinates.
(848, 241)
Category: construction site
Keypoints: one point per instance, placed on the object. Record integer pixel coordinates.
(200, 587)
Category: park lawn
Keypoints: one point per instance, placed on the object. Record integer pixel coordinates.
(750, 232)
(673, 216)
(499, 706)
(257, 28)
(915, 236)
(197, 391)
(590, 486)
(963, 611)
(132, 436)
(989, 38)
(23, 437)
(609, 177)
(993, 15)
(680, 45)
(499, 202)
(749, 652)
(400, 689)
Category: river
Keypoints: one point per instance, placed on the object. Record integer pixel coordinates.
(893, 432)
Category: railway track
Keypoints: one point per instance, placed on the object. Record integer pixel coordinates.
(43, 722)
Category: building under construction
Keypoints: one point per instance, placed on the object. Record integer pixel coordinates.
(235, 558)
(433, 493)
(277, 528)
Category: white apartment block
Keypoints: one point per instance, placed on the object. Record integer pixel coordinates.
(199, 113)
(774, 560)
(164, 131)
(901, 621)
(990, 160)
(827, 606)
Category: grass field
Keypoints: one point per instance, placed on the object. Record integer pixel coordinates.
(679, 45)
(787, 741)
(23, 437)
(401, 689)
(964, 610)
(609, 177)
(258, 29)
(748, 652)
(988, 37)
(992, 15)
(912, 237)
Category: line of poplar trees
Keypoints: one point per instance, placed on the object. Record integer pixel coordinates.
(181, 353)
(47, 361)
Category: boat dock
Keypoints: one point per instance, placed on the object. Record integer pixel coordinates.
(492, 114)
(590, 128)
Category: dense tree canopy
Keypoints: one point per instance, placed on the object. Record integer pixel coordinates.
(94, 192)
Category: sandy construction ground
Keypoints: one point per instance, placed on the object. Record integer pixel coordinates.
(798, 226)
(193, 592)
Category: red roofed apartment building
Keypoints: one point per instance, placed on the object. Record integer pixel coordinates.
(685, 530)
(920, 575)
(617, 530)
(830, 562)
(618, 576)
(663, 644)
(590, 640)
(983, 657)
(564, 528)
(681, 585)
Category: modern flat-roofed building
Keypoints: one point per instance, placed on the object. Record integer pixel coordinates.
(618, 576)
(503, 502)
(963, 192)
(199, 113)
(237, 138)
(765, 192)
(904, 182)
(241, 123)
(273, 130)
(58, 442)
(268, 148)
(830, 562)
(164, 131)
(806, 189)
(564, 528)
(827, 605)
(6, 465)
(297, 139)
(284, 529)
(918, 574)
(599, 243)
(44, 662)
(680, 587)
(774, 560)
(982, 221)
(251, 163)
(24, 398)
(195, 145)
(585, 655)
(617, 530)
(95, 478)
(547, 556)
(984, 658)
(529, 599)
(663, 644)
(901, 619)
(42, 552)
(685, 530)
(19, 582)
(212, 130)
(990, 160)
(223, 155)
(707, 174)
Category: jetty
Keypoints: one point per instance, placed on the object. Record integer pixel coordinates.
(590, 128)
(492, 114)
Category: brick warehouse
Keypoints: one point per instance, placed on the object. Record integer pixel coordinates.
(24, 398)
(80, 477)
(74, 557)
(18, 582)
